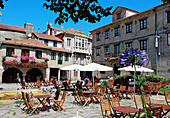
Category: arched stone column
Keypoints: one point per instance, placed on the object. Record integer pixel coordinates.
(23, 79)
(47, 74)
(1, 71)
(58, 75)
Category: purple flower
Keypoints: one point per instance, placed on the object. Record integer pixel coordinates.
(133, 57)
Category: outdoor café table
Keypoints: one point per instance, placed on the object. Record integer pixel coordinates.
(43, 97)
(13, 96)
(90, 95)
(166, 108)
(125, 111)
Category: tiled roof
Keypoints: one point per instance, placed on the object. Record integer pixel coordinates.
(70, 30)
(29, 42)
(45, 36)
(58, 29)
(126, 9)
(33, 43)
(59, 49)
(12, 28)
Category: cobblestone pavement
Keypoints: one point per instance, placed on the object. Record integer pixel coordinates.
(9, 109)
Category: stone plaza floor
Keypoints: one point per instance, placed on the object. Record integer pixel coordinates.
(9, 109)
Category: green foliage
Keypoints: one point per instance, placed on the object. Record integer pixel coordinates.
(14, 113)
(165, 80)
(154, 78)
(166, 1)
(104, 83)
(89, 10)
(19, 102)
(167, 87)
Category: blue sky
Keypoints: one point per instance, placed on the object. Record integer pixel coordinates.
(19, 12)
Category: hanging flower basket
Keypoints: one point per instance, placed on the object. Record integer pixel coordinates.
(15, 63)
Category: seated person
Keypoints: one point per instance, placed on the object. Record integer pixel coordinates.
(96, 80)
(38, 83)
(57, 93)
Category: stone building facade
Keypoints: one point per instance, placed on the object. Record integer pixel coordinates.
(148, 30)
(45, 55)
(79, 44)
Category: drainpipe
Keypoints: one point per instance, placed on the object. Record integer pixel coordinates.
(156, 43)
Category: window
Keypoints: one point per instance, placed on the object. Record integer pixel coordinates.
(9, 52)
(118, 16)
(75, 73)
(66, 57)
(98, 37)
(117, 31)
(76, 43)
(128, 28)
(76, 59)
(82, 60)
(79, 43)
(86, 44)
(55, 44)
(82, 43)
(143, 24)
(53, 55)
(38, 54)
(25, 52)
(46, 42)
(106, 50)
(8, 39)
(106, 34)
(168, 17)
(68, 42)
(143, 45)
(87, 60)
(128, 45)
(98, 52)
(60, 58)
(116, 50)
(169, 39)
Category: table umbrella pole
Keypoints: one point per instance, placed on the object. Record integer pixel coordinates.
(134, 84)
(93, 79)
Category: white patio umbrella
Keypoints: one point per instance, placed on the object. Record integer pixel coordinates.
(75, 67)
(138, 69)
(95, 67)
(72, 67)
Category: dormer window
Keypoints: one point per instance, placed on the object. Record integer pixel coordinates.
(118, 16)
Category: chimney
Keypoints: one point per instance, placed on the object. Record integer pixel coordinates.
(28, 28)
